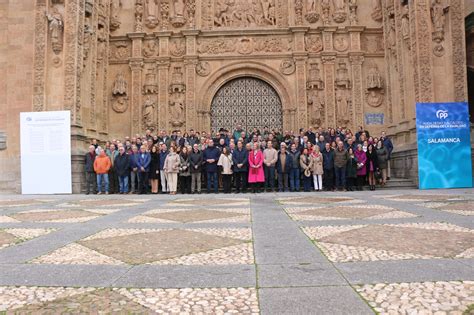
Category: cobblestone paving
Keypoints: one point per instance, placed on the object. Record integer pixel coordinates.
(370, 212)
(235, 254)
(438, 298)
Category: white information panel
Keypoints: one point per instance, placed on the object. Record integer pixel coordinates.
(45, 152)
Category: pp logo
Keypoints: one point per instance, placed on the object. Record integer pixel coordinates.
(442, 114)
(28, 119)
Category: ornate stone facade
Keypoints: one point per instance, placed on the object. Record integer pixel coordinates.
(123, 66)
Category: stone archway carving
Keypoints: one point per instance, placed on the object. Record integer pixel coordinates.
(248, 69)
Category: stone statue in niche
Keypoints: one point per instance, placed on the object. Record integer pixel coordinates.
(150, 48)
(316, 101)
(353, 12)
(120, 85)
(115, 6)
(325, 9)
(340, 13)
(139, 10)
(312, 16)
(177, 110)
(342, 76)
(268, 9)
(101, 43)
(287, 66)
(377, 14)
(203, 68)
(150, 86)
(86, 43)
(438, 18)
(342, 105)
(375, 87)
(314, 77)
(178, 19)
(405, 25)
(56, 27)
(148, 112)
(151, 20)
(392, 37)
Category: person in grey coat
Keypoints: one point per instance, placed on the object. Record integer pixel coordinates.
(91, 181)
(382, 158)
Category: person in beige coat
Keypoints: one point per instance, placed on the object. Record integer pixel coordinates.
(317, 168)
(171, 168)
(225, 161)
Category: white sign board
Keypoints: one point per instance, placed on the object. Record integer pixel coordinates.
(45, 152)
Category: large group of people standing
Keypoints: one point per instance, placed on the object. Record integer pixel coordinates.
(239, 161)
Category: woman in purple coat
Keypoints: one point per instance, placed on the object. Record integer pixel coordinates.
(361, 168)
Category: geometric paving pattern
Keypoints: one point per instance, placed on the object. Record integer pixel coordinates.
(368, 212)
(52, 300)
(12, 236)
(441, 297)
(193, 216)
(316, 200)
(210, 202)
(393, 242)
(391, 252)
(62, 216)
(144, 246)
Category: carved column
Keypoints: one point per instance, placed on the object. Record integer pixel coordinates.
(356, 60)
(190, 62)
(328, 33)
(163, 66)
(136, 66)
(422, 50)
(329, 72)
(458, 50)
(301, 91)
(41, 27)
(73, 32)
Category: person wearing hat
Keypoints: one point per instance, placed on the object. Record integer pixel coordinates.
(305, 165)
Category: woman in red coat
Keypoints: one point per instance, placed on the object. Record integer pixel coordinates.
(256, 174)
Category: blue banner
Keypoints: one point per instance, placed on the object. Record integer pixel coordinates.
(444, 145)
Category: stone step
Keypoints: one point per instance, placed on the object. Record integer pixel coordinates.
(400, 183)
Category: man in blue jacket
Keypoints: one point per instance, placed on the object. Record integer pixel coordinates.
(163, 155)
(240, 159)
(328, 166)
(143, 163)
(211, 157)
(387, 143)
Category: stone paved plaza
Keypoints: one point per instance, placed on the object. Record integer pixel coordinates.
(386, 252)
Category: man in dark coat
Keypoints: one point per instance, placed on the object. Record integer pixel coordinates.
(328, 166)
(122, 169)
(143, 163)
(195, 160)
(211, 157)
(387, 143)
(240, 160)
(89, 159)
(340, 161)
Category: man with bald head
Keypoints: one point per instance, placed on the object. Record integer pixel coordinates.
(89, 159)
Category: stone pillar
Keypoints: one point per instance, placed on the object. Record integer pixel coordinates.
(190, 62)
(136, 66)
(300, 56)
(356, 60)
(329, 60)
(163, 66)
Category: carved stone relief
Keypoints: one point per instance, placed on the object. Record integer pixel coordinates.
(151, 13)
(341, 43)
(216, 46)
(438, 17)
(139, 10)
(375, 86)
(315, 94)
(150, 48)
(242, 13)
(353, 12)
(56, 28)
(312, 15)
(326, 11)
(165, 14)
(177, 17)
(115, 7)
(313, 43)
(191, 11)
(342, 76)
(372, 43)
(203, 68)
(405, 25)
(272, 44)
(120, 94)
(287, 66)
(339, 15)
(377, 13)
(120, 50)
(343, 107)
(178, 47)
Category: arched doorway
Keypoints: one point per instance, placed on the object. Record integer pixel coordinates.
(248, 101)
